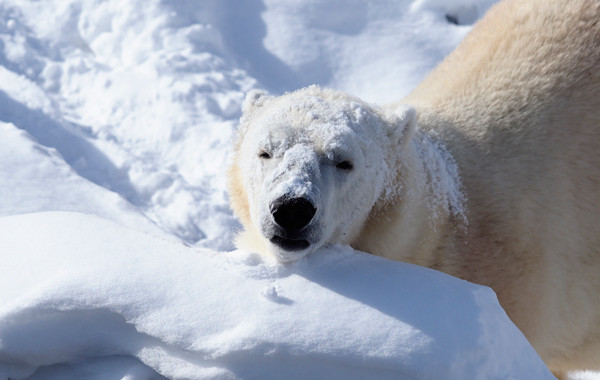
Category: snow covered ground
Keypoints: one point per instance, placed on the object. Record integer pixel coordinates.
(101, 296)
(124, 109)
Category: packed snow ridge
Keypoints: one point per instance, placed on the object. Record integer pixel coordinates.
(82, 292)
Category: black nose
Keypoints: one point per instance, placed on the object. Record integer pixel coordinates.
(293, 214)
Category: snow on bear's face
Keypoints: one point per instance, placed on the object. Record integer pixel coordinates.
(313, 163)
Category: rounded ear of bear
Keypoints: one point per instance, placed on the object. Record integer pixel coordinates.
(254, 100)
(404, 125)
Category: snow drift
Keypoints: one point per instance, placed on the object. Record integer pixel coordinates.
(78, 292)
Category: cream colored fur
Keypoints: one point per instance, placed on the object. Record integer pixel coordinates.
(517, 105)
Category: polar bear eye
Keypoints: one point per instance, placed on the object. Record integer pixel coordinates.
(264, 155)
(344, 165)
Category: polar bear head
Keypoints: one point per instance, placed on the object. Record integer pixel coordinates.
(309, 167)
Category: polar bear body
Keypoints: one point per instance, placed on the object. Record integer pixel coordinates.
(499, 183)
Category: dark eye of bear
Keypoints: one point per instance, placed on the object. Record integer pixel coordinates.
(264, 155)
(344, 165)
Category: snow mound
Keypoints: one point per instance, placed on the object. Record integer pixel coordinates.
(80, 293)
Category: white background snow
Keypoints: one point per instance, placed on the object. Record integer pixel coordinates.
(125, 110)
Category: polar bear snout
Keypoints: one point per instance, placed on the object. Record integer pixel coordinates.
(292, 214)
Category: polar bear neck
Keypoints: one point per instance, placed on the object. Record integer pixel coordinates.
(423, 198)
(438, 178)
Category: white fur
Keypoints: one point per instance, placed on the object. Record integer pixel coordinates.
(306, 134)
(499, 183)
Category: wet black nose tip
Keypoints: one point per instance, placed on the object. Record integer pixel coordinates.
(293, 214)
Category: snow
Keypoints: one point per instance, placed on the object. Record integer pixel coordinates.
(124, 110)
(104, 293)
(442, 176)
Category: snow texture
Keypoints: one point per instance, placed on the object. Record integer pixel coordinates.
(101, 293)
(442, 178)
(125, 110)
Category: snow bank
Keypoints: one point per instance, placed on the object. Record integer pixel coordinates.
(78, 293)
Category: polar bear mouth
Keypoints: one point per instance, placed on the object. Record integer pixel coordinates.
(290, 244)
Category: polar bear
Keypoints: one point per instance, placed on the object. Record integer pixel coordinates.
(492, 174)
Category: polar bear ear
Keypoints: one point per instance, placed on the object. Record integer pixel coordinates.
(404, 124)
(255, 99)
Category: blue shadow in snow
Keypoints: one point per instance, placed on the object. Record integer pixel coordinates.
(81, 155)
